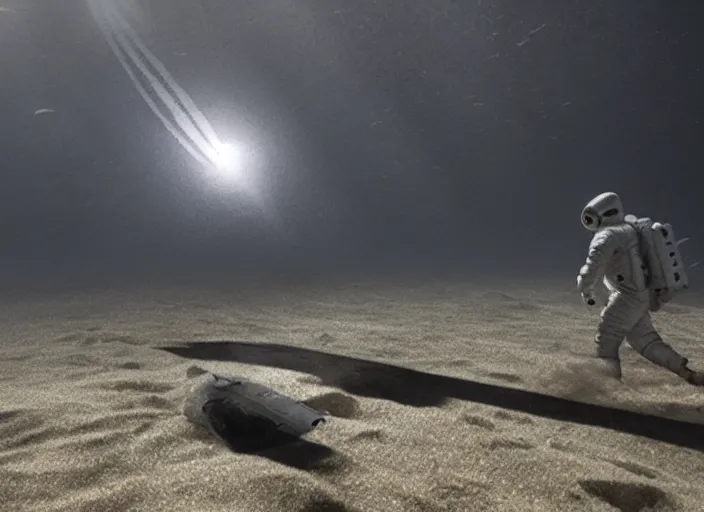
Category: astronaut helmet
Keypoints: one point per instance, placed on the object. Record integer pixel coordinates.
(604, 210)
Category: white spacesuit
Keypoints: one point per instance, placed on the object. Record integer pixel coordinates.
(615, 258)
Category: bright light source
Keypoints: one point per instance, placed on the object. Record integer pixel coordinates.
(228, 160)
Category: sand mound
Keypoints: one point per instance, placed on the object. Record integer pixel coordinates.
(434, 405)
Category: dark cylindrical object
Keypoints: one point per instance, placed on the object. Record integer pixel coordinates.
(246, 415)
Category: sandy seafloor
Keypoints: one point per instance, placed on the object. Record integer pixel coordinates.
(90, 406)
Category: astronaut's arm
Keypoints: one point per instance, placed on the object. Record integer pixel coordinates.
(592, 272)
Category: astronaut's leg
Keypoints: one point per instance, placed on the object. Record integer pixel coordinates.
(648, 343)
(617, 319)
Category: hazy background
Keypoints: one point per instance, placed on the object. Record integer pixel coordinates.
(437, 138)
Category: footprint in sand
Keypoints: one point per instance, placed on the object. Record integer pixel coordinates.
(560, 446)
(510, 443)
(335, 404)
(634, 468)
(195, 371)
(629, 497)
(516, 418)
(478, 421)
(326, 338)
(375, 435)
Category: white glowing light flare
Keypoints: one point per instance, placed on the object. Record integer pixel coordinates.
(166, 98)
(227, 159)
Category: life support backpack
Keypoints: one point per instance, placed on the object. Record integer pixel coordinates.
(664, 268)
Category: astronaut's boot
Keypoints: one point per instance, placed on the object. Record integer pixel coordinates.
(662, 354)
(608, 367)
(692, 377)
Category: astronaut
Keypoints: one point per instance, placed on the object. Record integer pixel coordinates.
(615, 259)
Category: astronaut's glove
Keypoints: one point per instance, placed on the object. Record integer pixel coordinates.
(586, 291)
(588, 299)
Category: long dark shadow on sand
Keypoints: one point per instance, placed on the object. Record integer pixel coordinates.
(420, 389)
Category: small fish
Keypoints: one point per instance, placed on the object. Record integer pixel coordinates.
(530, 34)
(7, 9)
(43, 111)
(536, 30)
(695, 264)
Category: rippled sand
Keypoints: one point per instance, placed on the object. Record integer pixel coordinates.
(439, 399)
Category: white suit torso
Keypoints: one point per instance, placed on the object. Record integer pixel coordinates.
(614, 255)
